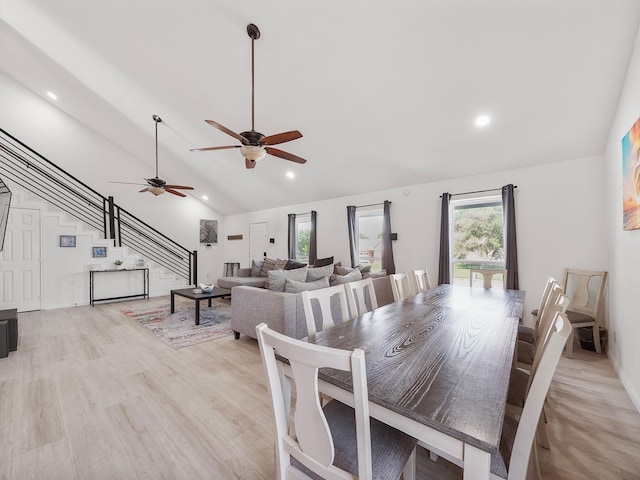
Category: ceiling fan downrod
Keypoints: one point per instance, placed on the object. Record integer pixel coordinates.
(157, 119)
(254, 34)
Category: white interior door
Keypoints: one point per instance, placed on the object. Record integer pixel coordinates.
(20, 261)
(258, 241)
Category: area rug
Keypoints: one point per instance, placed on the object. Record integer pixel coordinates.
(179, 329)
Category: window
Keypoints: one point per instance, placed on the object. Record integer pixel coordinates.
(477, 237)
(303, 237)
(369, 237)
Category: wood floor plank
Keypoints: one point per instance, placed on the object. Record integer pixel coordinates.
(90, 394)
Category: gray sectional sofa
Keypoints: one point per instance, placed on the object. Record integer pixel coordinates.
(282, 311)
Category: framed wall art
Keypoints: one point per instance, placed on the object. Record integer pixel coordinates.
(631, 178)
(67, 240)
(99, 252)
(208, 231)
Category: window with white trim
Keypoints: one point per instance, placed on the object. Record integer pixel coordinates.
(369, 236)
(303, 237)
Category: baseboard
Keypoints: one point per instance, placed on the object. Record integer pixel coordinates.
(633, 394)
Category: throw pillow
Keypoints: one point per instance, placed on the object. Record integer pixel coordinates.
(381, 273)
(338, 270)
(277, 278)
(323, 262)
(318, 272)
(349, 277)
(267, 264)
(364, 269)
(256, 267)
(292, 286)
(280, 264)
(292, 265)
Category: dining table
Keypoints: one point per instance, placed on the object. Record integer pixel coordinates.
(438, 367)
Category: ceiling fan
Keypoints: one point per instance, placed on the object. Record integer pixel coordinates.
(255, 145)
(156, 185)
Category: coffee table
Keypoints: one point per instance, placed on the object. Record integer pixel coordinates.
(217, 292)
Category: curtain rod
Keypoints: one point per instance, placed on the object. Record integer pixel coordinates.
(478, 191)
(371, 205)
(303, 213)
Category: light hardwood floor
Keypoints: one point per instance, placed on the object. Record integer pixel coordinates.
(91, 395)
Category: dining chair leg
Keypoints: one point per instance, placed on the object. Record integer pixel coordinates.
(533, 470)
(596, 338)
(433, 456)
(569, 347)
(409, 472)
(541, 434)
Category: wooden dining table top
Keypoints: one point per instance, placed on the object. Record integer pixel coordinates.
(441, 358)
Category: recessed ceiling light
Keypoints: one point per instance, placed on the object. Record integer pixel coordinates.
(204, 197)
(290, 174)
(483, 120)
(52, 95)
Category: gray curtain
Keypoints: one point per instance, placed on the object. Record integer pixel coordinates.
(291, 236)
(351, 226)
(387, 247)
(313, 244)
(444, 270)
(510, 246)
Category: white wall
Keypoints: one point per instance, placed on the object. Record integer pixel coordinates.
(559, 222)
(97, 162)
(624, 247)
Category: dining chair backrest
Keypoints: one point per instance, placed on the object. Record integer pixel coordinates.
(312, 444)
(325, 308)
(400, 286)
(487, 277)
(522, 443)
(543, 299)
(361, 296)
(421, 280)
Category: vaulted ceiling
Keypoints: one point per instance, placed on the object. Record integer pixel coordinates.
(385, 93)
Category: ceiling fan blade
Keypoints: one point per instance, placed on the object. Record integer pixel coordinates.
(286, 155)
(175, 192)
(179, 187)
(144, 190)
(206, 149)
(128, 183)
(249, 163)
(224, 129)
(281, 138)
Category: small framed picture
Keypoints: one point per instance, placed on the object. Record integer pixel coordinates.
(67, 240)
(99, 252)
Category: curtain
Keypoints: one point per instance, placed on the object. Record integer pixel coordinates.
(444, 271)
(510, 246)
(291, 236)
(351, 226)
(313, 244)
(387, 247)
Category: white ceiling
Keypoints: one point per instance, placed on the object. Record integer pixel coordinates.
(385, 93)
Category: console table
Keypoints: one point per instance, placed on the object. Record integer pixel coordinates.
(144, 271)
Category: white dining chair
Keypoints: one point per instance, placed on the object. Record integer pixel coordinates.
(400, 286)
(487, 277)
(421, 281)
(585, 289)
(325, 307)
(361, 296)
(333, 440)
(527, 333)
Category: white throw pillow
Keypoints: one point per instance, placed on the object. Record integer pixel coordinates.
(315, 273)
(349, 277)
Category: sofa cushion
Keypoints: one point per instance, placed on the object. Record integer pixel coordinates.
(256, 268)
(349, 277)
(277, 278)
(293, 286)
(315, 273)
(280, 263)
(323, 262)
(230, 282)
(293, 264)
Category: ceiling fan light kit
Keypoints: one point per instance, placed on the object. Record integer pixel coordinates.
(254, 145)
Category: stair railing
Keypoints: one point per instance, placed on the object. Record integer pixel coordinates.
(33, 172)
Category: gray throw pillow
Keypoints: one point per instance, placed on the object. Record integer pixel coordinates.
(339, 270)
(349, 277)
(319, 272)
(293, 286)
(267, 264)
(277, 278)
(256, 267)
